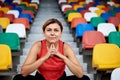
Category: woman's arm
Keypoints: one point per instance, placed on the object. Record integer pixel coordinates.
(31, 63)
(71, 60)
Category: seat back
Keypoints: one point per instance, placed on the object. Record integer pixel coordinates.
(76, 21)
(5, 57)
(81, 28)
(11, 17)
(106, 28)
(106, 56)
(28, 16)
(115, 75)
(14, 12)
(114, 20)
(91, 38)
(11, 39)
(114, 37)
(28, 12)
(17, 28)
(73, 15)
(4, 22)
(23, 21)
(96, 20)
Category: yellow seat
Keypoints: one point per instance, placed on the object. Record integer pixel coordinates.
(5, 57)
(4, 9)
(99, 12)
(119, 27)
(106, 57)
(73, 15)
(69, 1)
(4, 22)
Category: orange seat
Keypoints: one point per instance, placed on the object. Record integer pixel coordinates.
(91, 38)
(23, 21)
(76, 21)
(28, 12)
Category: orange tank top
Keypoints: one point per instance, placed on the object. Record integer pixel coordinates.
(54, 67)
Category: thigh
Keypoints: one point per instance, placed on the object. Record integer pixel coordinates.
(38, 76)
(20, 77)
(73, 77)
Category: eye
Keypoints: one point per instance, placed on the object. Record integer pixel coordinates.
(56, 30)
(48, 30)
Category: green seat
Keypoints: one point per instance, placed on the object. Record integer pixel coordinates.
(114, 37)
(113, 12)
(96, 20)
(69, 11)
(10, 39)
(30, 8)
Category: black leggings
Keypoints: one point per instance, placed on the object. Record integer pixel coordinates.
(40, 77)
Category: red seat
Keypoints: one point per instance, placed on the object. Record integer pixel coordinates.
(10, 16)
(23, 21)
(114, 20)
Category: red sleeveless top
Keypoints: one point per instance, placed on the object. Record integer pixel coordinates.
(53, 68)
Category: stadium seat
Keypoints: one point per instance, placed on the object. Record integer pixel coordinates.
(99, 12)
(80, 29)
(89, 15)
(5, 57)
(28, 16)
(114, 20)
(1, 13)
(106, 16)
(73, 15)
(4, 9)
(92, 9)
(28, 12)
(34, 5)
(90, 39)
(115, 75)
(17, 28)
(23, 21)
(14, 12)
(60, 2)
(4, 22)
(76, 21)
(105, 57)
(68, 12)
(96, 20)
(114, 37)
(11, 39)
(106, 28)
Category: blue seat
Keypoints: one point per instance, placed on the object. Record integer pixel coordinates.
(106, 16)
(28, 16)
(18, 8)
(81, 28)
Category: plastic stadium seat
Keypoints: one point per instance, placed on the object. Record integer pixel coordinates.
(4, 22)
(28, 12)
(73, 15)
(17, 28)
(5, 57)
(113, 12)
(118, 14)
(105, 57)
(89, 15)
(76, 21)
(92, 9)
(91, 38)
(60, 2)
(35, 1)
(18, 8)
(114, 37)
(106, 16)
(96, 20)
(65, 6)
(14, 12)
(114, 20)
(10, 16)
(23, 21)
(31, 8)
(10, 39)
(34, 5)
(81, 28)
(67, 9)
(99, 12)
(80, 9)
(115, 75)
(28, 16)
(106, 28)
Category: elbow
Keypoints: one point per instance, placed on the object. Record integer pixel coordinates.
(24, 72)
(80, 74)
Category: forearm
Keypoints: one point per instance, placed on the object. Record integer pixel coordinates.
(74, 68)
(29, 68)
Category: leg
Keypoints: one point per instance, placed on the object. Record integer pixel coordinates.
(20, 77)
(76, 78)
(38, 76)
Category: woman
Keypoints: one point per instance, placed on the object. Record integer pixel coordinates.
(49, 57)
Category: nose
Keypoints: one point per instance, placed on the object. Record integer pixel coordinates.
(52, 33)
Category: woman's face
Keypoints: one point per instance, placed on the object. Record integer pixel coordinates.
(52, 33)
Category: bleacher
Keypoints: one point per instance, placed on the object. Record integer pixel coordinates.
(92, 28)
